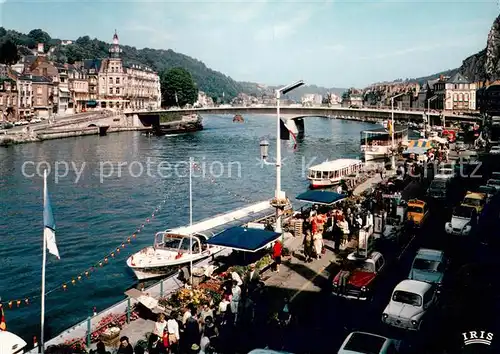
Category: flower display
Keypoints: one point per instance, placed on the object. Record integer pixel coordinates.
(111, 321)
(78, 344)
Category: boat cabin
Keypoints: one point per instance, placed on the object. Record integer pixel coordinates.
(332, 172)
(181, 243)
(377, 143)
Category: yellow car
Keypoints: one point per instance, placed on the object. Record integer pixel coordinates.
(417, 212)
(475, 200)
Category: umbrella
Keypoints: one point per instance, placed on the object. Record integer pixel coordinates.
(11, 343)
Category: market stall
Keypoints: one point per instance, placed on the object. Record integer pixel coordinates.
(417, 149)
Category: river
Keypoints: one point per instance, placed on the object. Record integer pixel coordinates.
(100, 198)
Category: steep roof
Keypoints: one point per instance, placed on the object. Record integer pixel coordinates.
(38, 79)
(89, 64)
(458, 79)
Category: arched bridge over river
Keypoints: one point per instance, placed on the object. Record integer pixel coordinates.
(293, 117)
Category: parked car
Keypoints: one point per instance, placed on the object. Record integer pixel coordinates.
(410, 303)
(495, 150)
(429, 266)
(362, 279)
(495, 183)
(475, 200)
(490, 192)
(439, 187)
(363, 342)
(417, 212)
(463, 219)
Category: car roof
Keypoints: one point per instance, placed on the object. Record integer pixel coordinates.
(363, 342)
(413, 286)
(442, 176)
(475, 195)
(430, 254)
(416, 202)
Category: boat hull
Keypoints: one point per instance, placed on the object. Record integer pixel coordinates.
(316, 184)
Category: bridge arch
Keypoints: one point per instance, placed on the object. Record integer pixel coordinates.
(92, 125)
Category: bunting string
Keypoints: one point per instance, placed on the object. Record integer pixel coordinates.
(79, 278)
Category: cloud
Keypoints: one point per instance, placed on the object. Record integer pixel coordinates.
(285, 28)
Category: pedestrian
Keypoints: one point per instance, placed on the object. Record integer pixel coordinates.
(337, 236)
(252, 277)
(235, 299)
(125, 346)
(277, 252)
(308, 246)
(318, 244)
(173, 333)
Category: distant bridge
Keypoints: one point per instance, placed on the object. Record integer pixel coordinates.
(293, 117)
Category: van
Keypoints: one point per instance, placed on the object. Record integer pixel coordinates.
(439, 187)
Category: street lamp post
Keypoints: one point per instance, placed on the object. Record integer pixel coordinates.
(393, 157)
(429, 112)
(279, 194)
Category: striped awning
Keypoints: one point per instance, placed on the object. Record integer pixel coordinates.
(421, 143)
(418, 147)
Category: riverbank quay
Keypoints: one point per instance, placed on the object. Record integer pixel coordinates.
(50, 134)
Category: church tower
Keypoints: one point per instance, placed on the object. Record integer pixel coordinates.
(114, 49)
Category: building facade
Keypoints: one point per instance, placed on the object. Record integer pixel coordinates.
(79, 89)
(8, 99)
(455, 94)
(25, 96)
(142, 88)
(43, 98)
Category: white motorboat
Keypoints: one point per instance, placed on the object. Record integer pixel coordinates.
(175, 247)
(377, 143)
(330, 173)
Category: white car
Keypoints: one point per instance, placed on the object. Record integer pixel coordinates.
(462, 221)
(495, 150)
(409, 304)
(362, 343)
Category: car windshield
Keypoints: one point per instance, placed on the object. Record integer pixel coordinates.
(407, 298)
(462, 212)
(438, 184)
(367, 267)
(473, 201)
(426, 265)
(415, 209)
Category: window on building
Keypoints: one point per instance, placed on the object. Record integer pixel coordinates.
(466, 97)
(110, 90)
(460, 97)
(455, 97)
(39, 90)
(118, 90)
(110, 80)
(39, 101)
(117, 80)
(456, 87)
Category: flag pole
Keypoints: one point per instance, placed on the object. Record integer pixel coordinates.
(44, 258)
(191, 217)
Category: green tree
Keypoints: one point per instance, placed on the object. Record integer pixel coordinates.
(40, 36)
(8, 53)
(178, 87)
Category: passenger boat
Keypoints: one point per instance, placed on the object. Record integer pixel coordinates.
(175, 247)
(330, 173)
(377, 143)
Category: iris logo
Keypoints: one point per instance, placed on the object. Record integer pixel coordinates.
(477, 337)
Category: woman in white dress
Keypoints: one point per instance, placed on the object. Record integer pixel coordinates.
(318, 244)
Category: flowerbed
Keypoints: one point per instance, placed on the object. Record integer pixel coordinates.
(111, 321)
(183, 297)
(78, 345)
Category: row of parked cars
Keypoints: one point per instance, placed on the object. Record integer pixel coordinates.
(409, 307)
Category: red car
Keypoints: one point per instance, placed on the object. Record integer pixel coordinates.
(360, 281)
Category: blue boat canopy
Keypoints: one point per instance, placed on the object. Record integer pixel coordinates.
(321, 197)
(244, 239)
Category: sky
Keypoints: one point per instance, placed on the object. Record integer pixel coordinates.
(328, 43)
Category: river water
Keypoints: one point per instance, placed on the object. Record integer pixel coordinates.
(100, 198)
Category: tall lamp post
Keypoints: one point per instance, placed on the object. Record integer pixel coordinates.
(429, 111)
(264, 146)
(393, 157)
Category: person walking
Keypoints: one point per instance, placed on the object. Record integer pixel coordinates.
(308, 247)
(235, 299)
(277, 252)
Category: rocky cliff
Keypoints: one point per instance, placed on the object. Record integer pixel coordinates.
(485, 65)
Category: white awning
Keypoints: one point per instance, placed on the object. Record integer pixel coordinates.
(63, 89)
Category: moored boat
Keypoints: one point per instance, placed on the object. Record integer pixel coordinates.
(175, 247)
(330, 173)
(377, 143)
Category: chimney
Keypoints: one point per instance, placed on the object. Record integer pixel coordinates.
(441, 77)
(40, 48)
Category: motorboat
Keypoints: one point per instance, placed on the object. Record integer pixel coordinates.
(377, 143)
(11, 343)
(330, 173)
(175, 247)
